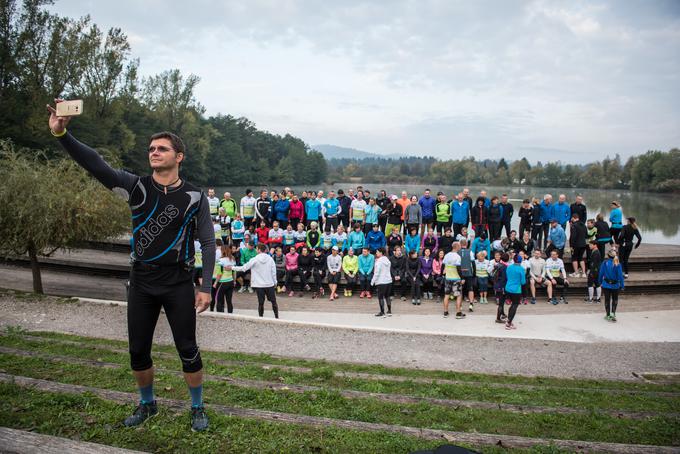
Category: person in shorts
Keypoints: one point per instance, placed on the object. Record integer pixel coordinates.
(453, 283)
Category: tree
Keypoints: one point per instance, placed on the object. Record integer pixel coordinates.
(49, 205)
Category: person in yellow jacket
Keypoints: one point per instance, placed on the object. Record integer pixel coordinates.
(350, 268)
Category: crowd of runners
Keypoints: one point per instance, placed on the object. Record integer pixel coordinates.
(422, 247)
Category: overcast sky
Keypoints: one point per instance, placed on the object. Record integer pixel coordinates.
(567, 80)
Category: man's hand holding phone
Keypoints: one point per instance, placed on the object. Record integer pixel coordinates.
(61, 114)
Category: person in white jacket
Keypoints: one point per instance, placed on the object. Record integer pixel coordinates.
(262, 278)
(382, 278)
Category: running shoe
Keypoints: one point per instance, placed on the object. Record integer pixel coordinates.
(625, 275)
(291, 293)
(242, 290)
(554, 302)
(597, 300)
(508, 326)
(533, 300)
(524, 301)
(417, 302)
(361, 295)
(389, 312)
(250, 290)
(199, 419)
(471, 308)
(575, 274)
(307, 288)
(321, 291)
(144, 411)
(608, 318)
(314, 295)
(613, 318)
(504, 317)
(368, 295)
(403, 298)
(413, 301)
(498, 320)
(380, 314)
(460, 315)
(563, 300)
(446, 315)
(588, 300)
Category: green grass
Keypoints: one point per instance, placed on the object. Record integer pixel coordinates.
(379, 369)
(324, 377)
(593, 427)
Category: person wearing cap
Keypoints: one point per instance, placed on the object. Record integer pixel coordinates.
(625, 241)
(334, 265)
(394, 216)
(557, 238)
(612, 281)
(375, 239)
(616, 221)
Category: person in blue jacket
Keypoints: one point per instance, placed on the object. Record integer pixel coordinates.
(616, 220)
(366, 265)
(280, 211)
(481, 243)
(312, 210)
(412, 242)
(546, 215)
(612, 282)
(562, 211)
(516, 277)
(427, 204)
(460, 210)
(557, 238)
(375, 239)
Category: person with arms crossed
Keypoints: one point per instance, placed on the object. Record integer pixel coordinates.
(167, 212)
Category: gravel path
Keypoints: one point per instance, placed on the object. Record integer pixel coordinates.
(478, 354)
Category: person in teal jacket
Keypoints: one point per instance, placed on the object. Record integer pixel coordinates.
(356, 239)
(616, 220)
(516, 277)
(372, 212)
(481, 243)
(412, 242)
(366, 264)
(610, 277)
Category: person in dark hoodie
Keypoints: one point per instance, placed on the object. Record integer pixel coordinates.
(345, 203)
(480, 216)
(577, 242)
(305, 267)
(526, 212)
(319, 268)
(508, 211)
(628, 233)
(495, 219)
(398, 270)
(412, 273)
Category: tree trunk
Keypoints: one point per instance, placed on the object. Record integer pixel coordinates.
(35, 268)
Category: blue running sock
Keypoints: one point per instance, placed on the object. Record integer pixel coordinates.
(146, 393)
(196, 395)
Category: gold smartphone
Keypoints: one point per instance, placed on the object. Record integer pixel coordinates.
(70, 108)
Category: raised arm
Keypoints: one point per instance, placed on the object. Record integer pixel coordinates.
(88, 158)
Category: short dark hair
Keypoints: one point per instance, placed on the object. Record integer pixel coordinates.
(262, 247)
(174, 139)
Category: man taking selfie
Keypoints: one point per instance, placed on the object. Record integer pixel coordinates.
(167, 213)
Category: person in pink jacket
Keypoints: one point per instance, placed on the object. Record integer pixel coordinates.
(291, 269)
(437, 274)
(296, 213)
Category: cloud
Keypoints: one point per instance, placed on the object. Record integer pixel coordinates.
(433, 77)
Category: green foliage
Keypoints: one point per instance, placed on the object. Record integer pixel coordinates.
(44, 56)
(47, 205)
(655, 171)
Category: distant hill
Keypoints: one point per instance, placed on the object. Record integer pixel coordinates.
(336, 152)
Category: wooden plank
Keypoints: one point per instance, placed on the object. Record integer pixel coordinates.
(476, 439)
(352, 394)
(22, 442)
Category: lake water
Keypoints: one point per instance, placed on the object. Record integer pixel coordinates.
(658, 215)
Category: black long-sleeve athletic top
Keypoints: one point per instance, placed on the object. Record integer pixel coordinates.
(163, 225)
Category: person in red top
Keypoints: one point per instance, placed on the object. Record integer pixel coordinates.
(263, 232)
(296, 213)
